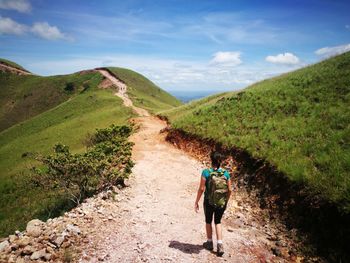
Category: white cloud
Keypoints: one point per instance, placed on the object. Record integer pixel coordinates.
(285, 58)
(169, 74)
(40, 29)
(44, 30)
(22, 6)
(332, 51)
(9, 26)
(227, 58)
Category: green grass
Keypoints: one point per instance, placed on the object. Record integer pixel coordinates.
(68, 123)
(193, 105)
(143, 92)
(299, 122)
(12, 64)
(38, 112)
(22, 97)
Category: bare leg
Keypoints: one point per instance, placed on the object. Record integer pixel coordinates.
(218, 231)
(209, 230)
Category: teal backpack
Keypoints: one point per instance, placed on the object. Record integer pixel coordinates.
(218, 188)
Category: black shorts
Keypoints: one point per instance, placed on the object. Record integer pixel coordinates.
(209, 211)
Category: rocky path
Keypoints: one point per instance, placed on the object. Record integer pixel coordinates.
(153, 219)
(121, 93)
(156, 221)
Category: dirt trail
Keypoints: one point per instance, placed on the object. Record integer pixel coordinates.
(122, 89)
(155, 219)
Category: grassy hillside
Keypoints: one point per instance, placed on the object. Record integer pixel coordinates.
(194, 105)
(22, 97)
(299, 122)
(12, 64)
(143, 92)
(38, 112)
(68, 123)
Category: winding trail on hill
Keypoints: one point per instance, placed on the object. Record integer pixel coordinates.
(122, 92)
(154, 217)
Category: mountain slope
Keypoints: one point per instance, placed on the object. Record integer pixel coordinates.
(12, 64)
(194, 105)
(68, 123)
(299, 122)
(38, 112)
(143, 92)
(22, 97)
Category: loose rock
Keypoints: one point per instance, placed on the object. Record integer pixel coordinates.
(34, 228)
(28, 250)
(59, 240)
(20, 260)
(12, 238)
(38, 254)
(24, 241)
(4, 245)
(73, 229)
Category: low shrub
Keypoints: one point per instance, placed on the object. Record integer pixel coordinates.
(106, 162)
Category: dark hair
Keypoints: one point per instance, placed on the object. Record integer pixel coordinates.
(216, 159)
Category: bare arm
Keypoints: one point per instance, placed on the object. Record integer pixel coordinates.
(201, 189)
(229, 185)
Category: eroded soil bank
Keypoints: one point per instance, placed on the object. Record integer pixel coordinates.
(316, 226)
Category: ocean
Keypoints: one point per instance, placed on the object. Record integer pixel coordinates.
(186, 96)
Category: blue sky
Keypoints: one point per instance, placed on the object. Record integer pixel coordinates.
(180, 45)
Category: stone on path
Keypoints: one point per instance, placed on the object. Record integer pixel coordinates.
(34, 228)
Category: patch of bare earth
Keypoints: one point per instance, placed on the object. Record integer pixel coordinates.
(6, 68)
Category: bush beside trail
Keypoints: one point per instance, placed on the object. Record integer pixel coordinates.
(64, 178)
(74, 177)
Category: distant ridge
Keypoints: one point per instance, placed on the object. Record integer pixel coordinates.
(12, 67)
(24, 95)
